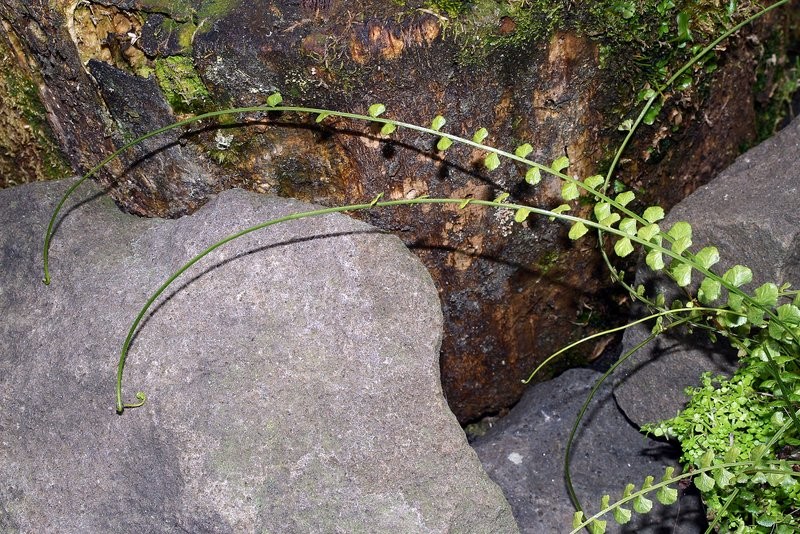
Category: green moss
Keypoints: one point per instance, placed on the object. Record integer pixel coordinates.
(488, 26)
(182, 86)
(28, 151)
(662, 32)
(189, 13)
(215, 9)
(548, 261)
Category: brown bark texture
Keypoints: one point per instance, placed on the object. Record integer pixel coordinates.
(107, 71)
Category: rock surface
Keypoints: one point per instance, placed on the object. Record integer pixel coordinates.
(524, 454)
(292, 377)
(750, 213)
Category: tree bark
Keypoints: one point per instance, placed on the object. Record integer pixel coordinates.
(561, 78)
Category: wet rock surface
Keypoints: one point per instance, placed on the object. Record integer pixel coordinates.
(292, 377)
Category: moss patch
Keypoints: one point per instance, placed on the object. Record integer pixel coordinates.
(182, 86)
(664, 31)
(28, 151)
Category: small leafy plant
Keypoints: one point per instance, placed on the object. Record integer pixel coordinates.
(739, 435)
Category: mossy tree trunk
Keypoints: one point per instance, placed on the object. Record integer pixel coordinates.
(560, 75)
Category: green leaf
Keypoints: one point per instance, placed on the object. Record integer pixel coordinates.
(681, 233)
(274, 99)
(577, 519)
(682, 272)
(322, 116)
(706, 459)
(628, 490)
(723, 477)
(533, 176)
(775, 479)
(646, 94)
(765, 521)
(443, 144)
(680, 230)
(680, 245)
(755, 316)
(559, 164)
(560, 209)
(732, 454)
(628, 226)
(777, 420)
(491, 161)
(667, 495)
(654, 260)
(597, 527)
(437, 123)
(570, 191)
(480, 135)
(648, 232)
(388, 128)
(376, 110)
(577, 231)
(594, 182)
(621, 515)
(642, 504)
(735, 302)
(707, 257)
(683, 26)
(610, 220)
(602, 210)
(704, 482)
(502, 197)
(523, 150)
(758, 478)
(653, 214)
(709, 291)
(521, 215)
(757, 452)
(623, 199)
(789, 313)
(738, 275)
(652, 113)
(683, 83)
(623, 247)
(767, 294)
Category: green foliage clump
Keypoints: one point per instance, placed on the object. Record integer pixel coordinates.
(731, 417)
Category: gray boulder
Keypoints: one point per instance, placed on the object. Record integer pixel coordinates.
(524, 453)
(292, 377)
(751, 213)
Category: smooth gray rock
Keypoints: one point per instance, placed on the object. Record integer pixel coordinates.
(293, 378)
(524, 454)
(751, 213)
